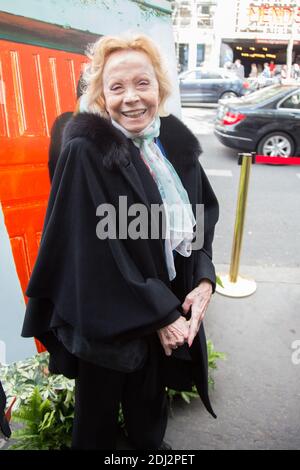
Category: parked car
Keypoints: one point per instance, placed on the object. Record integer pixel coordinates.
(262, 82)
(267, 121)
(202, 85)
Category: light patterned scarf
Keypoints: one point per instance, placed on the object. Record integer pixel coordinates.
(180, 219)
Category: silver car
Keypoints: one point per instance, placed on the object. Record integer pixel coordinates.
(202, 85)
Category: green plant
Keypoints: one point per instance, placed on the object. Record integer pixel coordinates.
(213, 356)
(186, 396)
(44, 405)
(46, 424)
(45, 402)
(20, 378)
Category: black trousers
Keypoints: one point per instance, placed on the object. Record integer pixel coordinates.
(98, 394)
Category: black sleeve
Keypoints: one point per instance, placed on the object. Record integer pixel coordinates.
(92, 284)
(204, 268)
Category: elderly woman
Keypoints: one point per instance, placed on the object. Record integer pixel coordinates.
(122, 310)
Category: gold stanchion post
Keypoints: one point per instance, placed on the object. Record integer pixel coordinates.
(233, 284)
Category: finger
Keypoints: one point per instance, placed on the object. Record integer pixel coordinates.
(190, 299)
(166, 335)
(202, 317)
(177, 334)
(170, 341)
(183, 335)
(185, 329)
(164, 341)
(194, 323)
(177, 342)
(203, 311)
(186, 305)
(194, 328)
(180, 324)
(192, 332)
(168, 350)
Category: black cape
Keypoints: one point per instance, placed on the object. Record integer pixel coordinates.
(115, 288)
(56, 137)
(4, 425)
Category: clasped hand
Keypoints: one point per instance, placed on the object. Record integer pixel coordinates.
(181, 330)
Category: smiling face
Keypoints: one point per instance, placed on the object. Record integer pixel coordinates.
(130, 89)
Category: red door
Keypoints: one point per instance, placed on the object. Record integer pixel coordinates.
(36, 85)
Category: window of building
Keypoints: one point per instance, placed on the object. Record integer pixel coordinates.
(205, 9)
(200, 54)
(185, 22)
(183, 56)
(185, 16)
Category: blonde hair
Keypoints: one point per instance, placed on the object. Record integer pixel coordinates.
(98, 54)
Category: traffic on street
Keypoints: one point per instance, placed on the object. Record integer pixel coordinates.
(266, 121)
(273, 198)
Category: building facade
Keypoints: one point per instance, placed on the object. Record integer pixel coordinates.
(193, 25)
(259, 31)
(215, 32)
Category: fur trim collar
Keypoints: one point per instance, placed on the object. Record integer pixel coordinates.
(181, 146)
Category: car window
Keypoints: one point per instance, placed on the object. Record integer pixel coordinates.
(230, 75)
(211, 75)
(292, 101)
(194, 75)
(264, 94)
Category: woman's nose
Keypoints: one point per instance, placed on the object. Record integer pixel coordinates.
(131, 96)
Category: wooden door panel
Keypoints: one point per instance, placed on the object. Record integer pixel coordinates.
(36, 85)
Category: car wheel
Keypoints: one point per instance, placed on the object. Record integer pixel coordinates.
(227, 95)
(276, 144)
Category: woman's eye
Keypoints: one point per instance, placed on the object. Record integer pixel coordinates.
(116, 88)
(143, 83)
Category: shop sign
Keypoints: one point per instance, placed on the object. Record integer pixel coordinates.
(271, 17)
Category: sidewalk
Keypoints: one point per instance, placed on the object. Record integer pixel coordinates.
(257, 393)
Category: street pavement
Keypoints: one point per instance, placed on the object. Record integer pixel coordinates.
(257, 388)
(257, 393)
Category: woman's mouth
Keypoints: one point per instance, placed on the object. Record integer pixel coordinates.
(134, 114)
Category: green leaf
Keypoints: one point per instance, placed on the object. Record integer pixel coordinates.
(186, 397)
(219, 281)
